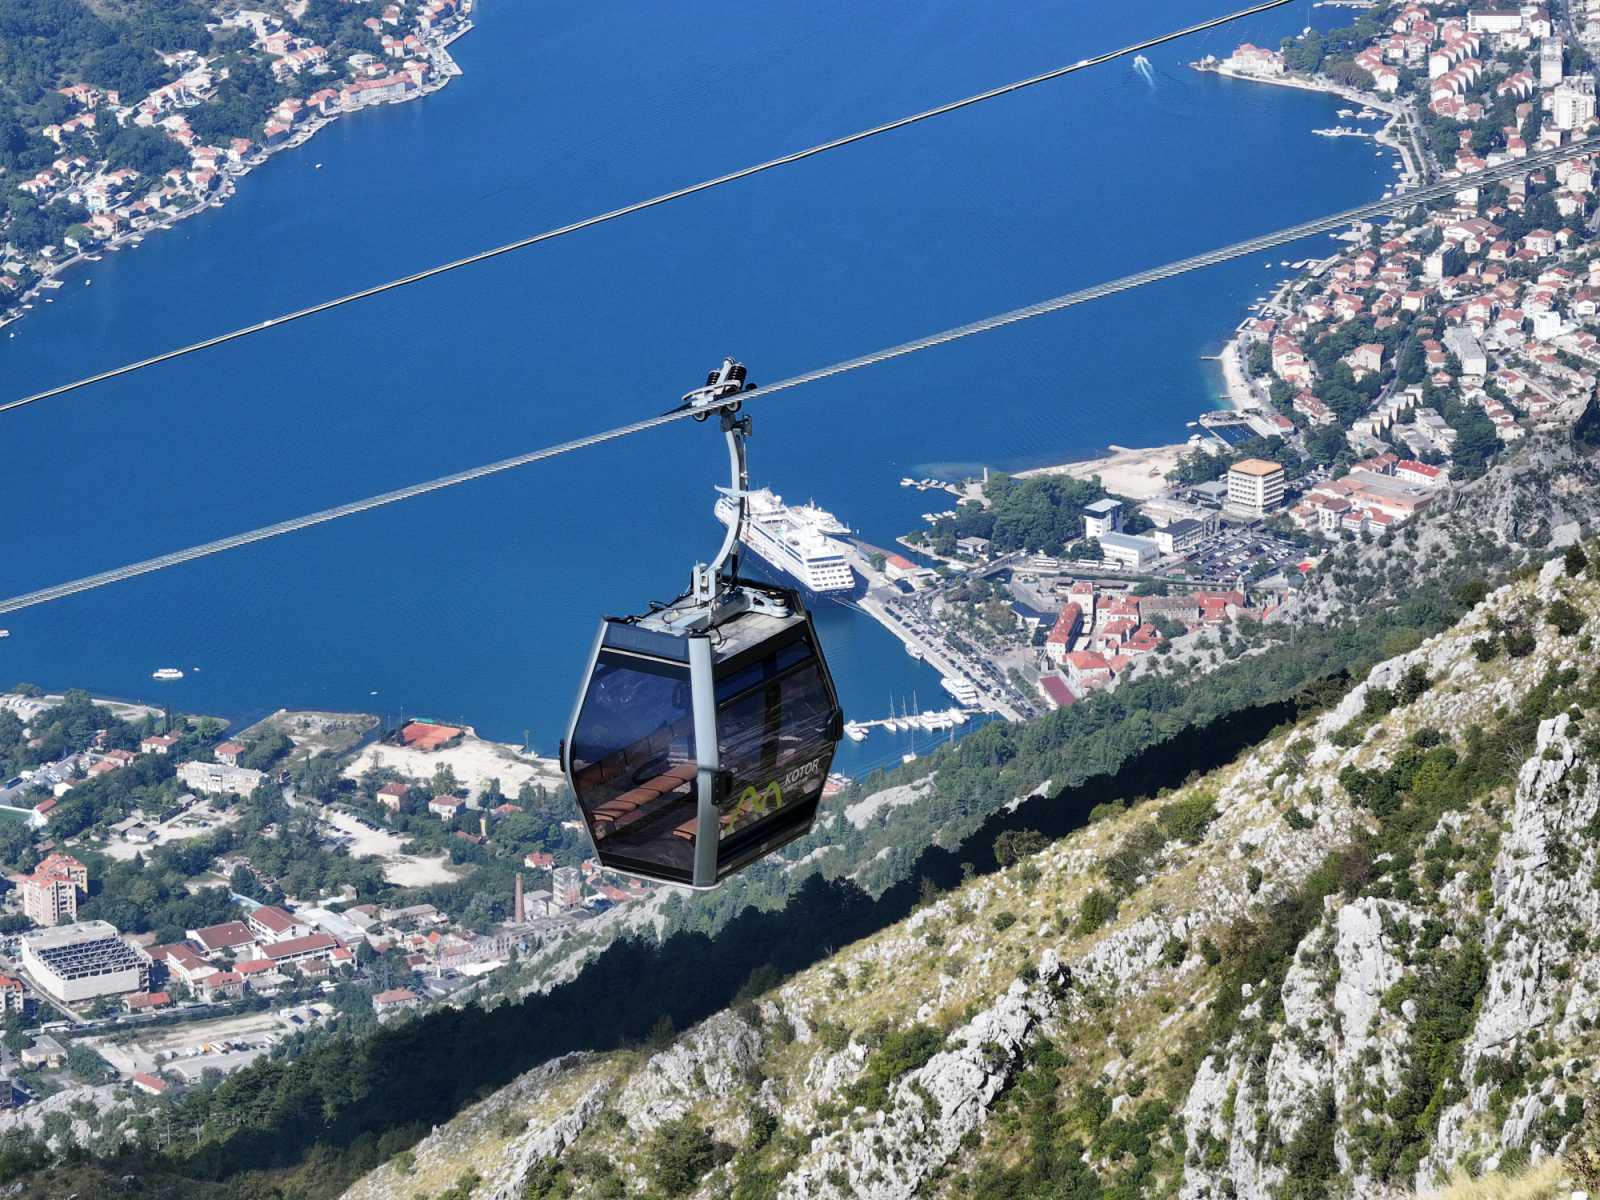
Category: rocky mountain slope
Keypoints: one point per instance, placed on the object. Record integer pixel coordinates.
(1360, 953)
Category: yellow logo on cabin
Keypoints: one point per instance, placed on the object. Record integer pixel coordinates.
(768, 799)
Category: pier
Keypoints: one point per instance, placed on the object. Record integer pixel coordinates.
(932, 721)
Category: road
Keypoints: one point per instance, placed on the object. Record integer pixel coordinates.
(920, 636)
(46, 998)
(909, 619)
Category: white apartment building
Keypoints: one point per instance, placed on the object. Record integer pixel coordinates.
(1102, 517)
(50, 894)
(215, 779)
(1494, 20)
(1572, 105)
(1550, 62)
(1255, 486)
(1460, 341)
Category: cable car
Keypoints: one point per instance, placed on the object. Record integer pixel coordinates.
(705, 728)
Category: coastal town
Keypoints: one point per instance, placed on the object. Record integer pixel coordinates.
(186, 900)
(104, 168)
(1358, 393)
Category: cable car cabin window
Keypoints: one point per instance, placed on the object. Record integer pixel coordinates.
(773, 738)
(633, 764)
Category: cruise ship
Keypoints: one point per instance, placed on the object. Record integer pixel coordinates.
(794, 540)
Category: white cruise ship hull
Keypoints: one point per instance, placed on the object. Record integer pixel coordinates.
(794, 544)
(806, 582)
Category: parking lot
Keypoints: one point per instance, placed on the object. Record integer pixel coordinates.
(1247, 552)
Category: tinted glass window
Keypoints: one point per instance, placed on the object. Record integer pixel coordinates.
(774, 745)
(633, 763)
(762, 670)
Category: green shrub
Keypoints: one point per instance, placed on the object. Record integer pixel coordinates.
(1003, 920)
(1413, 684)
(1309, 1157)
(832, 1035)
(763, 1124)
(1105, 811)
(900, 1052)
(1097, 908)
(1566, 618)
(1013, 845)
(1378, 702)
(1519, 643)
(1575, 560)
(1187, 820)
(678, 1155)
(1134, 856)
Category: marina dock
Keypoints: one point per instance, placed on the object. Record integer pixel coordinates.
(933, 721)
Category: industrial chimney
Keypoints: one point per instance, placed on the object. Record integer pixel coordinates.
(516, 901)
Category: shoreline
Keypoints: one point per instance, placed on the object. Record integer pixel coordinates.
(1135, 473)
(1237, 391)
(446, 70)
(1139, 473)
(1410, 172)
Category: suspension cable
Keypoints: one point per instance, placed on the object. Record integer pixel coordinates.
(1070, 299)
(628, 210)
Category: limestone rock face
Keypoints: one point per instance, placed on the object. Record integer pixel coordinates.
(1334, 1042)
(1546, 907)
(932, 1108)
(714, 1057)
(541, 1142)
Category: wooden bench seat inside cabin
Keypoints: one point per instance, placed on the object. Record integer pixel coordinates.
(642, 801)
(687, 830)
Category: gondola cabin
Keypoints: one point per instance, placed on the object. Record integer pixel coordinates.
(703, 736)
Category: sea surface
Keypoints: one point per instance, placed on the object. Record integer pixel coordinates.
(479, 604)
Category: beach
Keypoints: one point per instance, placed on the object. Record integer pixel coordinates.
(1135, 474)
(473, 760)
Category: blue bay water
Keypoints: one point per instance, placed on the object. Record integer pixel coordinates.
(479, 603)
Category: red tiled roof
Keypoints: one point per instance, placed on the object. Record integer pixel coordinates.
(1056, 688)
(181, 955)
(424, 735)
(1087, 660)
(274, 918)
(224, 936)
(300, 945)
